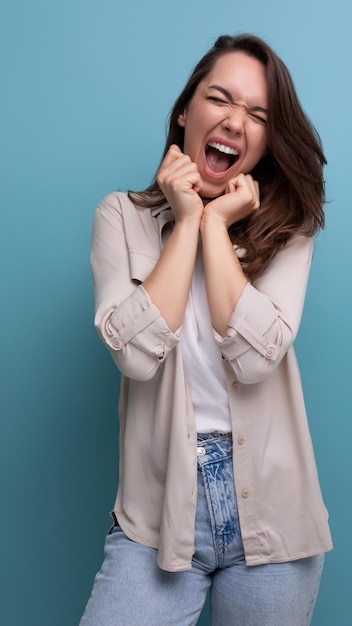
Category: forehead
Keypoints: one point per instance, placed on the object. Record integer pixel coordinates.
(242, 75)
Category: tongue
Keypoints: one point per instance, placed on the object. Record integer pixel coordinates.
(218, 161)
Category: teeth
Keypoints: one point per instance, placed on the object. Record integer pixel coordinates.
(222, 148)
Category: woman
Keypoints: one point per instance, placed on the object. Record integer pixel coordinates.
(200, 283)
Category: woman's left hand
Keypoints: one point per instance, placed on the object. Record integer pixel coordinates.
(241, 198)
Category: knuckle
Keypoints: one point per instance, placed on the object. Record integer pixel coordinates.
(161, 177)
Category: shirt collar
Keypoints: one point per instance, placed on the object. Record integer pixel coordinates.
(159, 209)
(164, 215)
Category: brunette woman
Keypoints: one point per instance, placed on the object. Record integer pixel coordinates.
(200, 283)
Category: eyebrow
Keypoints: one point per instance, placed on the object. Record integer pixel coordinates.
(230, 98)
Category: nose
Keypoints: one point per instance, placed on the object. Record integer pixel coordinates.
(234, 120)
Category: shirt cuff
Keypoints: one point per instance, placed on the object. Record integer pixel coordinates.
(250, 327)
(139, 322)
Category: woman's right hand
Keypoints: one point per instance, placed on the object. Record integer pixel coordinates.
(169, 282)
(180, 182)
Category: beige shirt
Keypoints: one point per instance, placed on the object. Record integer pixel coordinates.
(282, 515)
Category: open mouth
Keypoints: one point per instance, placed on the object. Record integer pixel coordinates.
(219, 157)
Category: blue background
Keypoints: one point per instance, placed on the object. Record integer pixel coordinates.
(85, 89)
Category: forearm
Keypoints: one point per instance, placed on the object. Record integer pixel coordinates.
(169, 283)
(224, 277)
(266, 318)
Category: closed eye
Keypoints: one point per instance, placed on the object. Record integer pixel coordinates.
(216, 100)
(259, 118)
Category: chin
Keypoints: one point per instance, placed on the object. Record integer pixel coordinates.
(210, 192)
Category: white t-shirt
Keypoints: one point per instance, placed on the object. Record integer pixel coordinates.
(202, 359)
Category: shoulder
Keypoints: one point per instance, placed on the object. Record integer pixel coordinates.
(290, 265)
(116, 213)
(117, 207)
(298, 247)
(117, 202)
(300, 242)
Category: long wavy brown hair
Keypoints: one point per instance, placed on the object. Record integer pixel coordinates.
(290, 175)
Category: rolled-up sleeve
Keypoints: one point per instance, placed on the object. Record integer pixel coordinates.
(266, 318)
(126, 319)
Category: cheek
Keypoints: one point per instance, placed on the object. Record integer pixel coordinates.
(264, 139)
(260, 143)
(192, 141)
(258, 147)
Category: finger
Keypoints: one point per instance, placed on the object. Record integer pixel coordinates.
(184, 179)
(176, 170)
(254, 186)
(173, 164)
(244, 183)
(257, 188)
(181, 168)
(172, 154)
(234, 185)
(246, 191)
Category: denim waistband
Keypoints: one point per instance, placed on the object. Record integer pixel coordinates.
(213, 447)
(213, 435)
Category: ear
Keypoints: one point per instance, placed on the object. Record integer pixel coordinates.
(182, 118)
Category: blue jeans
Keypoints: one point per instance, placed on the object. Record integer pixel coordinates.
(131, 590)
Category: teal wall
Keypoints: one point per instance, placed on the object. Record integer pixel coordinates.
(85, 89)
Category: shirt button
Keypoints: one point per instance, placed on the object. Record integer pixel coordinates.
(235, 386)
(241, 440)
(245, 493)
(270, 351)
(200, 451)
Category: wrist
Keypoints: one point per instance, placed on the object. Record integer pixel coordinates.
(187, 227)
(188, 221)
(212, 222)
